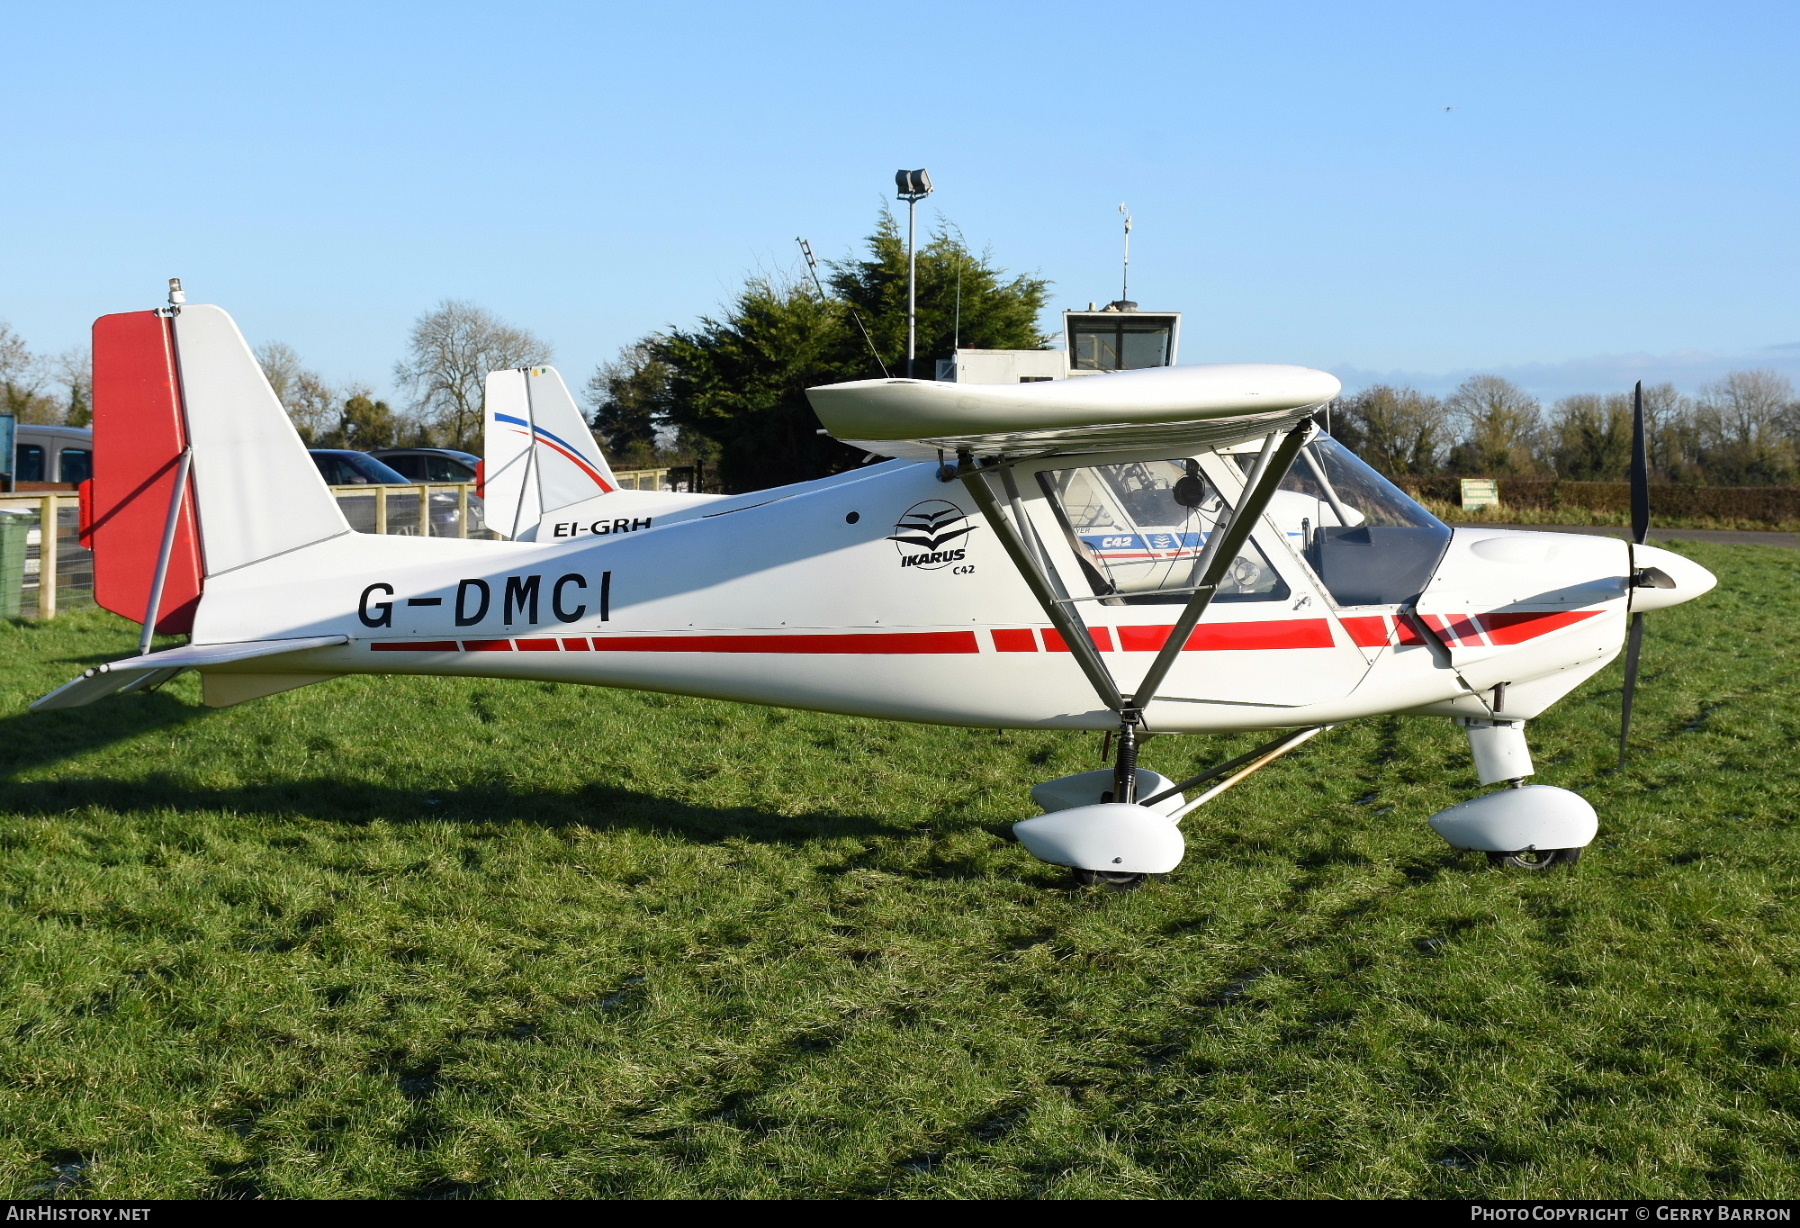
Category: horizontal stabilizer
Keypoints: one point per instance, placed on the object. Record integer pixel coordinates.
(152, 669)
(1208, 406)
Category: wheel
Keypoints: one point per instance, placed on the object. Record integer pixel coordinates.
(1110, 879)
(1535, 859)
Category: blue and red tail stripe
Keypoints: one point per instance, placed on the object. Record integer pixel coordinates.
(556, 444)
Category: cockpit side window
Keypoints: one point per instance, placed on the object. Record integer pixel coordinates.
(1369, 542)
(1139, 528)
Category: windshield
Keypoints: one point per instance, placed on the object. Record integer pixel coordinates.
(1138, 530)
(1368, 540)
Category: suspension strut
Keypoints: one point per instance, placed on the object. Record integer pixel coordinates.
(1125, 766)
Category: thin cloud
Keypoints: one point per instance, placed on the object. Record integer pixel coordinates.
(1688, 370)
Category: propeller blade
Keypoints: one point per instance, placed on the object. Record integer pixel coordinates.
(1632, 649)
(1640, 471)
(1640, 532)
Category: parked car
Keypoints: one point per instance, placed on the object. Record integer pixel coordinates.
(343, 467)
(429, 464)
(52, 457)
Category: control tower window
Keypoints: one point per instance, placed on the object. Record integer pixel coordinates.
(1120, 341)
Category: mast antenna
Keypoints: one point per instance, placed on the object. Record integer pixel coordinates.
(956, 332)
(812, 266)
(1125, 280)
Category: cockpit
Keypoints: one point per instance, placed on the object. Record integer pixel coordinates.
(1139, 529)
(1368, 541)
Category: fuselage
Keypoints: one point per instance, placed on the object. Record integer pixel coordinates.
(882, 592)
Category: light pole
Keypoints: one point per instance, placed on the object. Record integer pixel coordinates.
(914, 187)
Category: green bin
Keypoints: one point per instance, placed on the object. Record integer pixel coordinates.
(14, 527)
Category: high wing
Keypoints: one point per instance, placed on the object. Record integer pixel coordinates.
(991, 427)
(1195, 406)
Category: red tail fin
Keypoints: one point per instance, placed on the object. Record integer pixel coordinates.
(139, 436)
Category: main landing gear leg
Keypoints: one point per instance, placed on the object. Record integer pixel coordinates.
(1124, 790)
(1125, 764)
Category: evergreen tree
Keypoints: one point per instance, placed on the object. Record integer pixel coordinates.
(365, 423)
(630, 398)
(739, 383)
(1590, 437)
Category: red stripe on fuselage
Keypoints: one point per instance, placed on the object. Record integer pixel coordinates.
(1517, 628)
(1369, 631)
(897, 643)
(1235, 637)
(1381, 630)
(1054, 642)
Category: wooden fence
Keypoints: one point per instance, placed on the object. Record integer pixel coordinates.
(63, 578)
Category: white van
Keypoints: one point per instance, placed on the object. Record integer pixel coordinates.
(52, 455)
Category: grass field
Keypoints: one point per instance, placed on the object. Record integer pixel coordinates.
(434, 938)
(1455, 514)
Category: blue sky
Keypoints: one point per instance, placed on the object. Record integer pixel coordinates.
(1615, 193)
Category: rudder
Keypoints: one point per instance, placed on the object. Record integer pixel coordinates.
(139, 436)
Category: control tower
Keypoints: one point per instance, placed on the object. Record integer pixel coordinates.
(1116, 337)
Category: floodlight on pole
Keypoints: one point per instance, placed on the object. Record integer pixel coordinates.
(913, 187)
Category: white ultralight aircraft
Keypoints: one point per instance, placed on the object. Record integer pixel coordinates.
(1176, 550)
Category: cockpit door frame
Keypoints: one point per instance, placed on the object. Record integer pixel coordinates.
(1045, 545)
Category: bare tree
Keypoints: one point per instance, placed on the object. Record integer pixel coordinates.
(1397, 430)
(1500, 425)
(1670, 435)
(280, 365)
(452, 349)
(74, 371)
(20, 376)
(1747, 407)
(1588, 437)
(1744, 423)
(310, 402)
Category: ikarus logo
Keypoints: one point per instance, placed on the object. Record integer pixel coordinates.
(929, 535)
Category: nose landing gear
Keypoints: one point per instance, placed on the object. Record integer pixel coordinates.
(1522, 827)
(1534, 859)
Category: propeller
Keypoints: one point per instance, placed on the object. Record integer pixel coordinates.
(1640, 531)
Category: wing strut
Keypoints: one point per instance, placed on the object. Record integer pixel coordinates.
(1041, 580)
(1221, 550)
(1271, 468)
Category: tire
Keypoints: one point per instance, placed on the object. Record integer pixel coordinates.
(1110, 879)
(1534, 860)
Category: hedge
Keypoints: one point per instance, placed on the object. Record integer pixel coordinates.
(1769, 504)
